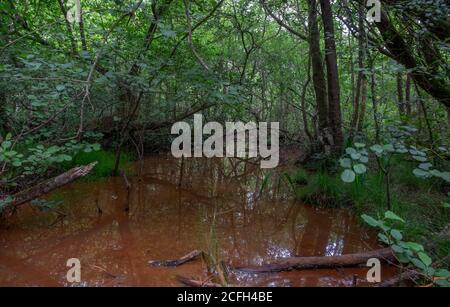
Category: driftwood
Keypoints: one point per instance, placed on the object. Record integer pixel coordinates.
(305, 263)
(196, 283)
(176, 262)
(47, 186)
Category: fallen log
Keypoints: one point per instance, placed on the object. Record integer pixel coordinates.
(196, 283)
(176, 262)
(306, 263)
(47, 186)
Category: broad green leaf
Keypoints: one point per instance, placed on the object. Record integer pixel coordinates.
(384, 239)
(348, 176)
(413, 245)
(418, 263)
(377, 148)
(364, 159)
(355, 156)
(442, 273)
(345, 163)
(425, 258)
(370, 220)
(360, 145)
(359, 168)
(442, 283)
(425, 166)
(397, 249)
(350, 150)
(392, 216)
(420, 158)
(421, 173)
(445, 176)
(397, 235)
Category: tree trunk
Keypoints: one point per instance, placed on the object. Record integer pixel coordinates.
(319, 82)
(362, 111)
(334, 101)
(400, 102)
(408, 95)
(49, 185)
(357, 103)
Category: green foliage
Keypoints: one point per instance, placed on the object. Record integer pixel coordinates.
(30, 159)
(407, 252)
(106, 162)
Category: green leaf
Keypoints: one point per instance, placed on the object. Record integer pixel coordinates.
(413, 245)
(355, 156)
(364, 159)
(370, 220)
(442, 273)
(397, 235)
(350, 150)
(389, 148)
(383, 238)
(359, 168)
(421, 173)
(60, 87)
(445, 176)
(397, 249)
(425, 258)
(425, 166)
(377, 148)
(345, 163)
(446, 205)
(419, 264)
(348, 176)
(392, 216)
(420, 158)
(442, 283)
(360, 145)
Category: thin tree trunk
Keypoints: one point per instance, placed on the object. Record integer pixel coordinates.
(375, 106)
(82, 33)
(400, 101)
(362, 111)
(334, 100)
(318, 74)
(408, 95)
(68, 27)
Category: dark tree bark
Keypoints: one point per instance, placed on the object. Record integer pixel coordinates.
(319, 82)
(408, 102)
(334, 99)
(400, 51)
(400, 101)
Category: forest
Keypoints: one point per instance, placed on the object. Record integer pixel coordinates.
(353, 97)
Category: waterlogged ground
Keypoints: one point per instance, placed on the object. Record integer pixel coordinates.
(212, 205)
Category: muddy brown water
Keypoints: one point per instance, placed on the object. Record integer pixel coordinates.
(214, 205)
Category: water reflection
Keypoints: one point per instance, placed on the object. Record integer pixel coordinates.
(174, 207)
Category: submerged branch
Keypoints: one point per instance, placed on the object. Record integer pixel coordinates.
(176, 262)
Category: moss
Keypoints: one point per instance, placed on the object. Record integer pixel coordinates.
(106, 162)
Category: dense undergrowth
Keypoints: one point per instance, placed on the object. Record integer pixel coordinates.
(420, 202)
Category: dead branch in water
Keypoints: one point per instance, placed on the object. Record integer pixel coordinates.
(176, 262)
(305, 263)
(47, 186)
